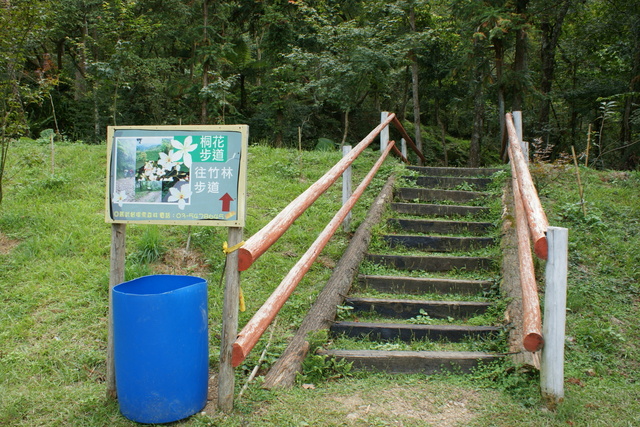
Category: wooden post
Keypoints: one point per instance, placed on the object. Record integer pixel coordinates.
(552, 366)
(226, 377)
(403, 147)
(346, 189)
(116, 276)
(384, 134)
(517, 121)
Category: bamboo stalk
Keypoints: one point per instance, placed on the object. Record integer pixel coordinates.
(586, 160)
(580, 190)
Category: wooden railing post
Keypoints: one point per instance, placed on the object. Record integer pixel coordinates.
(552, 364)
(226, 376)
(346, 189)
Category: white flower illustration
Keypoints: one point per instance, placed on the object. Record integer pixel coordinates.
(119, 197)
(180, 195)
(183, 151)
(168, 161)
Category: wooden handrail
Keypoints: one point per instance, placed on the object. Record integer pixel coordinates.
(257, 244)
(253, 330)
(531, 317)
(407, 138)
(536, 217)
(399, 154)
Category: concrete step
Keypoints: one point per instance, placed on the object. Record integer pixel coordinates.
(413, 362)
(420, 285)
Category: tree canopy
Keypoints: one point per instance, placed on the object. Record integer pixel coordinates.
(326, 68)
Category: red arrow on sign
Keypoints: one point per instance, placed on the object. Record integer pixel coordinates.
(226, 202)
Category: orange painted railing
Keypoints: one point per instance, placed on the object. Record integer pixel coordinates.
(260, 242)
(531, 221)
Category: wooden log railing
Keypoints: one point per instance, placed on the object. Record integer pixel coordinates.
(530, 221)
(257, 325)
(551, 244)
(536, 217)
(260, 242)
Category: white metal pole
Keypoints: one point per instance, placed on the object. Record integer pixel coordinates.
(403, 147)
(346, 189)
(553, 329)
(517, 121)
(384, 134)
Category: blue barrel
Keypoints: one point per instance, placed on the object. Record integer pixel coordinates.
(161, 351)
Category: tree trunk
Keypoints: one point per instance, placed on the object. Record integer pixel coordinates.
(443, 132)
(478, 122)
(415, 87)
(520, 58)
(634, 86)
(346, 128)
(279, 127)
(498, 48)
(205, 64)
(551, 32)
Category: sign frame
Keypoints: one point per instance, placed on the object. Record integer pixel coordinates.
(176, 210)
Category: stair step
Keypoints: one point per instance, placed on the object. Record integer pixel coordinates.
(423, 209)
(409, 332)
(448, 182)
(413, 362)
(439, 243)
(443, 227)
(427, 195)
(454, 171)
(407, 308)
(418, 285)
(433, 263)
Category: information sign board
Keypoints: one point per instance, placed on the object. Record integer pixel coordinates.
(191, 175)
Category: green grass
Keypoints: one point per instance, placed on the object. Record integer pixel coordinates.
(54, 275)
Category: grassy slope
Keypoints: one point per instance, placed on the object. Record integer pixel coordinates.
(53, 302)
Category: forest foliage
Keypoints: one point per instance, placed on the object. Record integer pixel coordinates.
(300, 70)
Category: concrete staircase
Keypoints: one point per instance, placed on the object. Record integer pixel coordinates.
(433, 267)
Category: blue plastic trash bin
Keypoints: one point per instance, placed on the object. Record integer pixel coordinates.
(160, 335)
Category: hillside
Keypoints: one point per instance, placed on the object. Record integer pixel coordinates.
(54, 266)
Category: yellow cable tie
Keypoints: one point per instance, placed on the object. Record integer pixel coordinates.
(241, 296)
(227, 250)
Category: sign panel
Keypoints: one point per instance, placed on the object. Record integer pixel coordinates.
(191, 175)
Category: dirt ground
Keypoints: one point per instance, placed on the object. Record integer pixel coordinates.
(7, 244)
